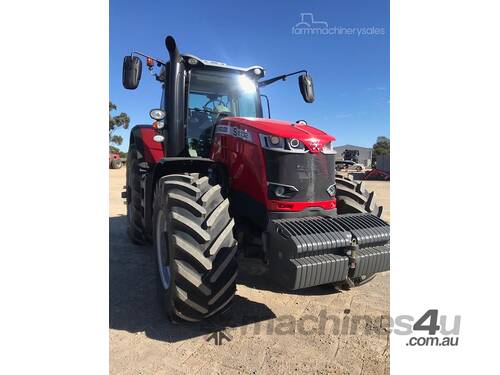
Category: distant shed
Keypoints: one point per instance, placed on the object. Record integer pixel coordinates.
(364, 157)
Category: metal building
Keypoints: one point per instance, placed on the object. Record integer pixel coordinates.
(364, 154)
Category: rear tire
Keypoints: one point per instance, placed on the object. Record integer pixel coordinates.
(116, 163)
(195, 247)
(352, 197)
(135, 229)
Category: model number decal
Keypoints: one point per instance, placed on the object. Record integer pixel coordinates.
(240, 133)
(235, 131)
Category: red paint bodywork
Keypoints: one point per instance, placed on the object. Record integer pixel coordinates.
(313, 138)
(245, 159)
(153, 151)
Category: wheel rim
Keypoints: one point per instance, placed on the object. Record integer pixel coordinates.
(162, 250)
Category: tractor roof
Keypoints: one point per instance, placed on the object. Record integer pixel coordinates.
(216, 65)
(221, 65)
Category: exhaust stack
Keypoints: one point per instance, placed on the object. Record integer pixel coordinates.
(176, 138)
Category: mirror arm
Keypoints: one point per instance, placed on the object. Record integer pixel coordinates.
(158, 61)
(279, 78)
(268, 106)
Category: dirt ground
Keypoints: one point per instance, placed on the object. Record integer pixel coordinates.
(318, 331)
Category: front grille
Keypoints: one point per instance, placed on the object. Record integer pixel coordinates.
(312, 174)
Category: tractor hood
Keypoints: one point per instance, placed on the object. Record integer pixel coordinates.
(313, 138)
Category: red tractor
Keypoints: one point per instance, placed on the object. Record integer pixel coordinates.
(212, 178)
(115, 160)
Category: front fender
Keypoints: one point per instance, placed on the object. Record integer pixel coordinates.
(150, 151)
(173, 165)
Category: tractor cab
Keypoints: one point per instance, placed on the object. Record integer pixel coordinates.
(197, 93)
(214, 91)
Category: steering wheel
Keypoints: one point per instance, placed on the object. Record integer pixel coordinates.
(221, 115)
(214, 102)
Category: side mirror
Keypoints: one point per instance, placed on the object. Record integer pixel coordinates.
(306, 87)
(132, 69)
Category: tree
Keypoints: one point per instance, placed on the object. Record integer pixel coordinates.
(382, 146)
(115, 122)
(116, 139)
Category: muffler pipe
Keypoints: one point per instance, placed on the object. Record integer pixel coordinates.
(176, 138)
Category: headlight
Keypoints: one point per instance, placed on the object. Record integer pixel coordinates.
(275, 190)
(157, 114)
(158, 138)
(294, 143)
(275, 143)
(328, 148)
(272, 142)
(275, 140)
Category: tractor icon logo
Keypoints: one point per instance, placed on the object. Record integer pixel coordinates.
(307, 20)
(219, 337)
(308, 25)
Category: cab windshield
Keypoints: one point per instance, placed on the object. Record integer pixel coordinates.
(215, 94)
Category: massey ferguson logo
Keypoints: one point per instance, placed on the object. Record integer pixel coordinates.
(314, 145)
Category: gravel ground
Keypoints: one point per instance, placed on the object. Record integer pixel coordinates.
(271, 331)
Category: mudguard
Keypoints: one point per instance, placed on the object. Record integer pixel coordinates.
(149, 151)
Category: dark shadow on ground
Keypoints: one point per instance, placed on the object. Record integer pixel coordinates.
(133, 305)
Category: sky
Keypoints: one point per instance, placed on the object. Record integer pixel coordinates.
(350, 72)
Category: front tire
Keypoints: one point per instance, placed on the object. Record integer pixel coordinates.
(352, 197)
(195, 247)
